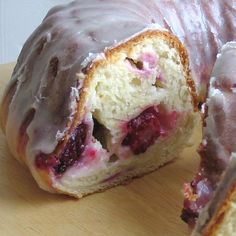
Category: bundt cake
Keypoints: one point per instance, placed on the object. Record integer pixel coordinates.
(100, 94)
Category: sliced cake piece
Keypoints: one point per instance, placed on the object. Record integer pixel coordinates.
(92, 103)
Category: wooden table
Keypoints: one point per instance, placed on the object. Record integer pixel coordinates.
(147, 206)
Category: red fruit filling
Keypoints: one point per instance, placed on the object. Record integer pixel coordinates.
(197, 194)
(43, 161)
(143, 130)
(70, 154)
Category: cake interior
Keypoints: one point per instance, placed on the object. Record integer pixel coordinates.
(140, 116)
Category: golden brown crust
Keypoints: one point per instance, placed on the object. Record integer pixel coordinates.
(173, 40)
(219, 216)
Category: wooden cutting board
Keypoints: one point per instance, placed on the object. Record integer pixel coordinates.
(147, 206)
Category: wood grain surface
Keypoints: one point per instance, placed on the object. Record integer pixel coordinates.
(147, 206)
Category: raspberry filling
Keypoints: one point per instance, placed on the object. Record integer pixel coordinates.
(196, 194)
(70, 154)
(145, 129)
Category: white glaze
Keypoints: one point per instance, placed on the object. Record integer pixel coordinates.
(83, 33)
(222, 102)
(220, 128)
(80, 31)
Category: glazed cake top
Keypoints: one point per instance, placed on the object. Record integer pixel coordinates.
(69, 37)
(72, 35)
(220, 131)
